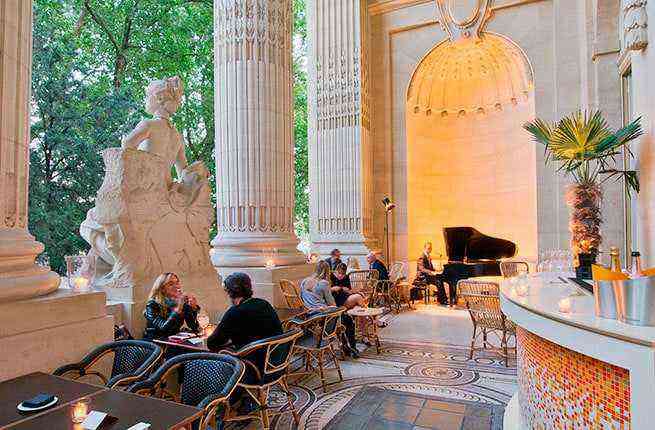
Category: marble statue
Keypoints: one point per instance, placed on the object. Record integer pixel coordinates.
(146, 223)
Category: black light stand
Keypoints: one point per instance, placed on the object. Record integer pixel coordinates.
(388, 207)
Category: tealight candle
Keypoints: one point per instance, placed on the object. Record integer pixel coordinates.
(80, 283)
(80, 410)
(565, 305)
(522, 289)
(270, 263)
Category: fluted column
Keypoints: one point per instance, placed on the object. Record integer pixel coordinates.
(20, 277)
(340, 157)
(254, 133)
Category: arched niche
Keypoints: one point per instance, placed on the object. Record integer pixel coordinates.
(470, 163)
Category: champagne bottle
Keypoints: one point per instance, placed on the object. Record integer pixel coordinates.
(615, 259)
(635, 267)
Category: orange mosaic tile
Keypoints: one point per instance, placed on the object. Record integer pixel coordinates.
(563, 389)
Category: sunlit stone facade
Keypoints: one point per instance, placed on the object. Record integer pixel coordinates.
(456, 154)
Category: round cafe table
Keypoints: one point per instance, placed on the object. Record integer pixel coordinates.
(366, 322)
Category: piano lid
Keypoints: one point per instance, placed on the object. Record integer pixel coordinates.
(468, 244)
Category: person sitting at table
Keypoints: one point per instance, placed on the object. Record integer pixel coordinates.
(168, 308)
(247, 320)
(316, 294)
(341, 289)
(334, 259)
(374, 263)
(426, 275)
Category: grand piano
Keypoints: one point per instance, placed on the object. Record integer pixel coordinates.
(472, 254)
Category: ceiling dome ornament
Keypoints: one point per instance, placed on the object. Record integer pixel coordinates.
(471, 72)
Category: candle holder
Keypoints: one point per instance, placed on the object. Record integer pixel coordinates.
(80, 271)
(565, 305)
(80, 410)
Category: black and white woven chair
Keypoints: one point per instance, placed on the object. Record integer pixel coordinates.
(133, 360)
(208, 381)
(266, 361)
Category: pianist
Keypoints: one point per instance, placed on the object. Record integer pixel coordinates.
(426, 275)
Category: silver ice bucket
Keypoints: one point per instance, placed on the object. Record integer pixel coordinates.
(635, 301)
(605, 300)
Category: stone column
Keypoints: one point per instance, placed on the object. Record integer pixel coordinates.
(42, 327)
(20, 277)
(254, 134)
(340, 149)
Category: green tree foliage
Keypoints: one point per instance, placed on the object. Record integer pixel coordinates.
(91, 63)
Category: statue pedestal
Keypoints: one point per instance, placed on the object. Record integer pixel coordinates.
(143, 226)
(265, 281)
(42, 333)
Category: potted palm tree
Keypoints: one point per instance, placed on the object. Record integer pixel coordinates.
(584, 147)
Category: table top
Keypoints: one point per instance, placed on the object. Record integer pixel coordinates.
(541, 304)
(365, 312)
(128, 408)
(14, 391)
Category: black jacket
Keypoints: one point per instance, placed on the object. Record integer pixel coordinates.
(424, 268)
(382, 270)
(161, 323)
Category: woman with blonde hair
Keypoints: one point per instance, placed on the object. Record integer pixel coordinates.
(316, 293)
(168, 308)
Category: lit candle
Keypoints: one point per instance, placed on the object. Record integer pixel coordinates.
(270, 263)
(565, 305)
(80, 411)
(522, 289)
(80, 283)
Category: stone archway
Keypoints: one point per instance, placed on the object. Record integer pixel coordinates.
(469, 161)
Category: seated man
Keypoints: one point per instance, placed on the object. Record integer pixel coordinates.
(248, 320)
(375, 264)
(426, 275)
(335, 258)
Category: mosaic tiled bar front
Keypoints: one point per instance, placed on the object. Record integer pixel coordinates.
(563, 389)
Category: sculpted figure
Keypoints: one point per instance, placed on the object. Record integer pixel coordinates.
(144, 223)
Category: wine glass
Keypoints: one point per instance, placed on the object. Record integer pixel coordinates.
(203, 320)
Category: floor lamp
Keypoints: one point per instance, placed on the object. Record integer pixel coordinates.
(388, 207)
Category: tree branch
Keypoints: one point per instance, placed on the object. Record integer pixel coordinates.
(102, 24)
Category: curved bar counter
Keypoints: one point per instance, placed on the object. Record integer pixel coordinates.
(576, 370)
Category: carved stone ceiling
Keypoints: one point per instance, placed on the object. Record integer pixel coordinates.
(474, 74)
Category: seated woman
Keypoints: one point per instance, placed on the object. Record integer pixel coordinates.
(316, 294)
(168, 309)
(341, 290)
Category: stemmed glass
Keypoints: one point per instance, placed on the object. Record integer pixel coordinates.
(203, 321)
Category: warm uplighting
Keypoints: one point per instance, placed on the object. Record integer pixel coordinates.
(565, 305)
(80, 283)
(80, 410)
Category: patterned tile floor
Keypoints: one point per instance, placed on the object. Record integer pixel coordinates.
(437, 366)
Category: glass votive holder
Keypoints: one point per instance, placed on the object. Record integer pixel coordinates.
(522, 289)
(80, 410)
(565, 305)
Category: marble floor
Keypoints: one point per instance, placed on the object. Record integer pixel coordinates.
(424, 351)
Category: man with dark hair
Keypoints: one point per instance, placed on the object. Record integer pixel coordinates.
(248, 320)
(375, 264)
(335, 258)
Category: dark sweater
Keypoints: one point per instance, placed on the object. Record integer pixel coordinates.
(252, 319)
(382, 270)
(340, 296)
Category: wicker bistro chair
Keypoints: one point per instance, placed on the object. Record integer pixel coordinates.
(208, 382)
(483, 303)
(133, 360)
(364, 282)
(510, 269)
(393, 293)
(267, 362)
(321, 331)
(291, 295)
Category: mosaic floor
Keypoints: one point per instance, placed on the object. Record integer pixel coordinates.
(438, 366)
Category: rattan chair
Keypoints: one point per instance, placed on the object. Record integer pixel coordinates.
(509, 269)
(133, 360)
(321, 331)
(483, 303)
(267, 362)
(291, 294)
(394, 292)
(363, 282)
(208, 382)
